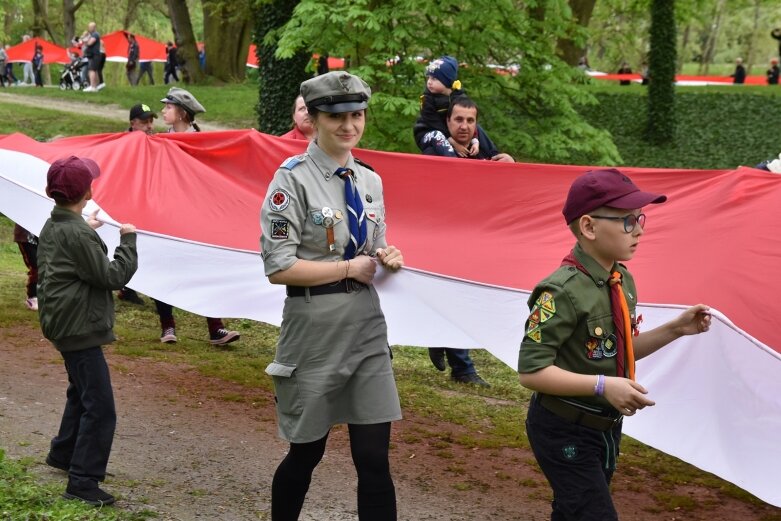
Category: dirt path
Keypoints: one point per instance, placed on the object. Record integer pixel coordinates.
(190, 447)
(112, 112)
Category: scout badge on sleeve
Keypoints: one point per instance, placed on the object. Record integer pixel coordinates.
(279, 200)
(280, 228)
(543, 310)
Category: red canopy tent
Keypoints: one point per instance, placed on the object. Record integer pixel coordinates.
(52, 53)
(333, 63)
(116, 47)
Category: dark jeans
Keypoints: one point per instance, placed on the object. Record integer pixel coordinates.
(170, 71)
(146, 68)
(459, 361)
(88, 422)
(577, 461)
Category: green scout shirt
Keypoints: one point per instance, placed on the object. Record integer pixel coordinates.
(570, 324)
(292, 219)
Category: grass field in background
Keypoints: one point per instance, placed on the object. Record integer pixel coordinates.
(493, 417)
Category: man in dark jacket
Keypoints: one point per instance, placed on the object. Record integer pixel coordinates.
(171, 62)
(739, 76)
(76, 311)
(132, 60)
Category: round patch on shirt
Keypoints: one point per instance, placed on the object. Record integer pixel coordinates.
(279, 200)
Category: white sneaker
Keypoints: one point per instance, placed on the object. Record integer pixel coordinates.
(32, 303)
(100, 86)
(89, 89)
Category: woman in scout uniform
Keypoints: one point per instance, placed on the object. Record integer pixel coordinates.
(581, 343)
(179, 112)
(323, 223)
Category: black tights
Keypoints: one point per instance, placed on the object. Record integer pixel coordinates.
(369, 448)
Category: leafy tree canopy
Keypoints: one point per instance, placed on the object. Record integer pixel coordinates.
(530, 114)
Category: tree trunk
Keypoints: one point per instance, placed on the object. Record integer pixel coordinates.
(279, 81)
(752, 43)
(570, 50)
(710, 46)
(684, 47)
(41, 19)
(187, 51)
(130, 13)
(69, 20)
(661, 69)
(226, 28)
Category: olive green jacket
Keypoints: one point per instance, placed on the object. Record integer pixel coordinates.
(571, 325)
(75, 279)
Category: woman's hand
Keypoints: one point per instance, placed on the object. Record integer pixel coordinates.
(92, 220)
(390, 257)
(362, 269)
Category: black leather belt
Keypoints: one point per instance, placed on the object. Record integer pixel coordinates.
(577, 415)
(343, 286)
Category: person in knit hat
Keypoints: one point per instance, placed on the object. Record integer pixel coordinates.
(430, 130)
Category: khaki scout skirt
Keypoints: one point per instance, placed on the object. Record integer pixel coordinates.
(333, 365)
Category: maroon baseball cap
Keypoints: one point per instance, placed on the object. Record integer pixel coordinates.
(607, 187)
(69, 178)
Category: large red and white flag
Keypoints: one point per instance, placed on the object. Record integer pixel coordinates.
(476, 237)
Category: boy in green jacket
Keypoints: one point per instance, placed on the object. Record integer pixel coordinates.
(76, 311)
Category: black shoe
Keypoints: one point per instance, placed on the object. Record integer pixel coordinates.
(437, 356)
(92, 496)
(56, 464)
(223, 336)
(472, 378)
(129, 295)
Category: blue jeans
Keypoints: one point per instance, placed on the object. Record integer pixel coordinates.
(89, 419)
(459, 361)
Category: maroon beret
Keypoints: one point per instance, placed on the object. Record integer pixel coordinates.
(69, 178)
(607, 187)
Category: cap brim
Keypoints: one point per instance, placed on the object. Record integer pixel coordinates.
(169, 100)
(147, 115)
(636, 200)
(348, 106)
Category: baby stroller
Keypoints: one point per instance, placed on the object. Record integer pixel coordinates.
(71, 75)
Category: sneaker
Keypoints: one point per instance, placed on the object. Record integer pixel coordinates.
(223, 336)
(168, 336)
(56, 464)
(88, 89)
(32, 303)
(100, 86)
(437, 357)
(129, 295)
(92, 496)
(472, 378)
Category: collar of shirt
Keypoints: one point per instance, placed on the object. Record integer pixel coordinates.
(326, 163)
(598, 274)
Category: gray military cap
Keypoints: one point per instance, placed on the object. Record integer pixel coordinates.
(336, 91)
(184, 99)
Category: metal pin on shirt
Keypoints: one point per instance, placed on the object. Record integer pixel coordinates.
(328, 222)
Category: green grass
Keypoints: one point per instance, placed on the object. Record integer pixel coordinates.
(491, 417)
(44, 124)
(231, 105)
(23, 497)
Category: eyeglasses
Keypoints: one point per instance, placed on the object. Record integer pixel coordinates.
(630, 221)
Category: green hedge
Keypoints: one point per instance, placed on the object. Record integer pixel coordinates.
(718, 128)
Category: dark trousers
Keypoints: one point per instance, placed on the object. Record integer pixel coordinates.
(577, 461)
(30, 257)
(170, 71)
(146, 68)
(458, 359)
(132, 75)
(38, 78)
(166, 314)
(101, 64)
(89, 419)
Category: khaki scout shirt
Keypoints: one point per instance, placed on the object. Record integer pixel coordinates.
(292, 218)
(571, 325)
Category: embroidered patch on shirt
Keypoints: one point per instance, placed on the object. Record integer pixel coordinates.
(280, 228)
(534, 333)
(594, 347)
(546, 302)
(279, 200)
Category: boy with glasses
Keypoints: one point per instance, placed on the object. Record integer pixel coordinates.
(581, 343)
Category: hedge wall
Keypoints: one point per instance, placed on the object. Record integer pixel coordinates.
(718, 128)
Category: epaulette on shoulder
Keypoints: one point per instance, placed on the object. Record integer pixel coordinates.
(292, 162)
(365, 165)
(562, 275)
